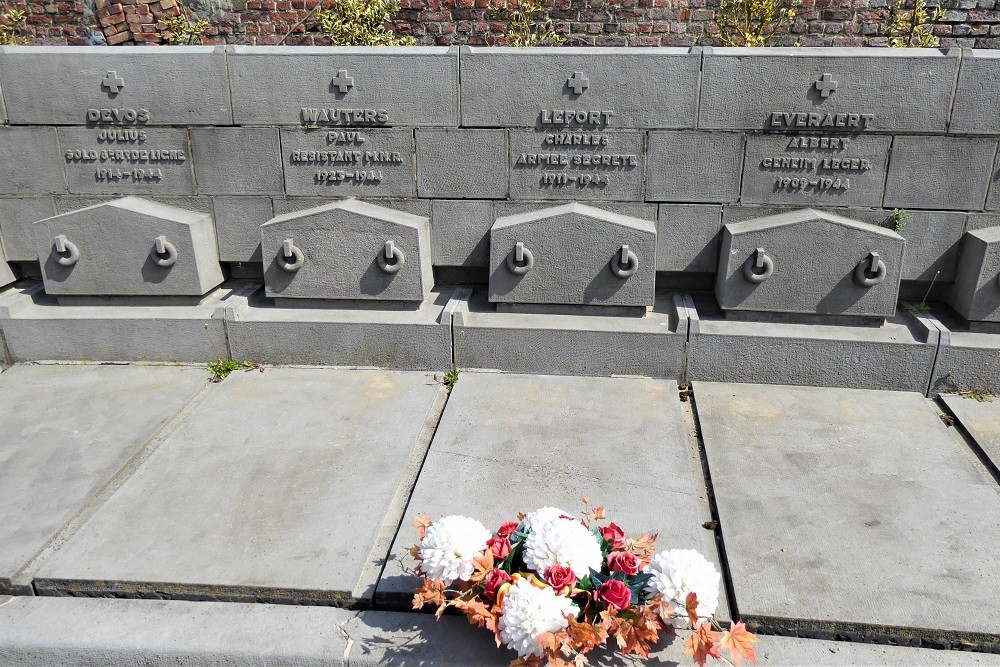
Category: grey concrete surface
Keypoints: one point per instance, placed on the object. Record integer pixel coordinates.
(977, 96)
(967, 361)
(640, 87)
(690, 166)
(30, 156)
(510, 443)
(38, 632)
(687, 237)
(65, 432)
(981, 418)
(852, 507)
(976, 292)
(460, 163)
(237, 160)
(399, 86)
(460, 232)
(306, 491)
(237, 226)
(951, 173)
(6, 274)
(118, 255)
(16, 217)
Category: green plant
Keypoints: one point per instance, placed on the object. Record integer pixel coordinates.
(361, 23)
(180, 30)
(924, 307)
(12, 22)
(221, 369)
(899, 218)
(528, 24)
(980, 387)
(752, 22)
(449, 379)
(912, 27)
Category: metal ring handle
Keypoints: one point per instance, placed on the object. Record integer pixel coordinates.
(290, 258)
(164, 252)
(517, 255)
(64, 245)
(391, 252)
(626, 264)
(875, 265)
(759, 260)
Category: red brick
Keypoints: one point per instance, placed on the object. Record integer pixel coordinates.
(119, 38)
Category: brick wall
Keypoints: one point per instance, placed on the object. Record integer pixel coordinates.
(968, 23)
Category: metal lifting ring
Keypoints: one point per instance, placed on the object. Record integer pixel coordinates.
(759, 261)
(520, 260)
(391, 252)
(290, 258)
(164, 252)
(625, 263)
(871, 264)
(64, 245)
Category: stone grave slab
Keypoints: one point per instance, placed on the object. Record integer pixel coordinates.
(65, 432)
(951, 173)
(565, 87)
(688, 166)
(975, 295)
(127, 86)
(811, 263)
(852, 510)
(898, 354)
(461, 163)
(848, 90)
(37, 327)
(344, 86)
(30, 161)
(510, 443)
(977, 96)
(572, 254)
(562, 342)
(347, 250)
(282, 486)
(981, 418)
(237, 160)
(128, 247)
(347, 335)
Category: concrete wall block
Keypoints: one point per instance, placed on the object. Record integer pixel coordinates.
(114, 249)
(460, 233)
(809, 262)
(977, 98)
(342, 253)
(993, 198)
(815, 171)
(237, 226)
(976, 292)
(237, 160)
(694, 166)
(344, 86)
(127, 86)
(687, 237)
(827, 90)
(576, 165)
(6, 274)
(348, 162)
(635, 88)
(466, 164)
(17, 214)
(574, 257)
(951, 173)
(30, 161)
(110, 161)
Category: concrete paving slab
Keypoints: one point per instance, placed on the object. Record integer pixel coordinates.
(981, 419)
(43, 631)
(852, 512)
(282, 486)
(65, 432)
(510, 443)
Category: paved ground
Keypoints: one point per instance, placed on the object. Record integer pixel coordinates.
(843, 514)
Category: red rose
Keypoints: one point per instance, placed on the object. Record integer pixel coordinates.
(560, 578)
(615, 535)
(614, 593)
(623, 561)
(494, 580)
(500, 546)
(507, 528)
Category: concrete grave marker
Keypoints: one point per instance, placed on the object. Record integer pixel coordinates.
(809, 262)
(572, 254)
(128, 247)
(976, 292)
(348, 250)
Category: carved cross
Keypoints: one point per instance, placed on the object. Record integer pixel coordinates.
(113, 83)
(343, 82)
(578, 82)
(826, 85)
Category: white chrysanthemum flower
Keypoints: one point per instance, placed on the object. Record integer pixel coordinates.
(540, 517)
(561, 542)
(449, 547)
(677, 572)
(530, 611)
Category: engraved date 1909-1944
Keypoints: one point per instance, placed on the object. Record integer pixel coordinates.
(810, 185)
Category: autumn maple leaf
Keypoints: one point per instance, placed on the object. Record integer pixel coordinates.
(430, 592)
(691, 605)
(702, 644)
(421, 524)
(635, 634)
(482, 564)
(739, 642)
(478, 613)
